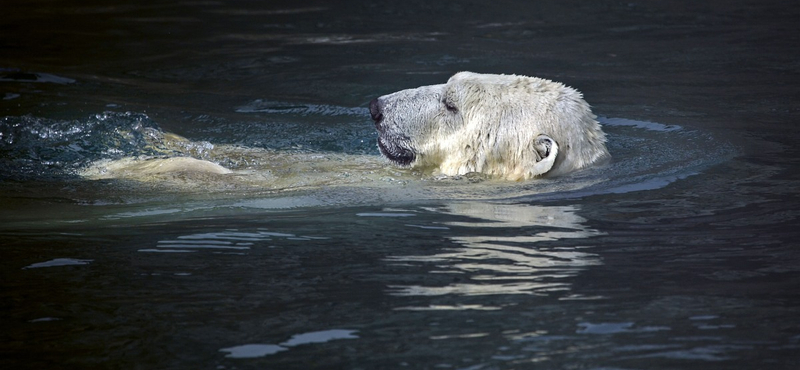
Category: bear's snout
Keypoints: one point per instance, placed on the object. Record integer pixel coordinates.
(376, 112)
(393, 145)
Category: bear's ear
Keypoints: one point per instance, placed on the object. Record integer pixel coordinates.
(546, 152)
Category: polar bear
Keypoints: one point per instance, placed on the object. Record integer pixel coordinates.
(506, 126)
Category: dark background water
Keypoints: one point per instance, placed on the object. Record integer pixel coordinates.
(699, 273)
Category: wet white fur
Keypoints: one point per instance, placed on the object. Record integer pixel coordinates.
(490, 124)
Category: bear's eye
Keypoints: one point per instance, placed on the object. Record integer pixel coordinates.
(450, 106)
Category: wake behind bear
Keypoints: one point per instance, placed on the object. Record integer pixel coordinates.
(503, 126)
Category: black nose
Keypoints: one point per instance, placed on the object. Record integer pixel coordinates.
(375, 110)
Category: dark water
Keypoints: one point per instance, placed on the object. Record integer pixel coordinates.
(681, 253)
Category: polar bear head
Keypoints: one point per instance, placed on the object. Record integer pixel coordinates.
(507, 126)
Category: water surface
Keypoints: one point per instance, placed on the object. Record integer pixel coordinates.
(679, 253)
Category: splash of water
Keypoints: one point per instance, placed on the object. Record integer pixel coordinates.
(32, 147)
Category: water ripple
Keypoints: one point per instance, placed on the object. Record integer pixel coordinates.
(514, 262)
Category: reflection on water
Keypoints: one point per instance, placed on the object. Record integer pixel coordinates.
(224, 242)
(9, 75)
(273, 107)
(615, 327)
(59, 262)
(261, 350)
(519, 256)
